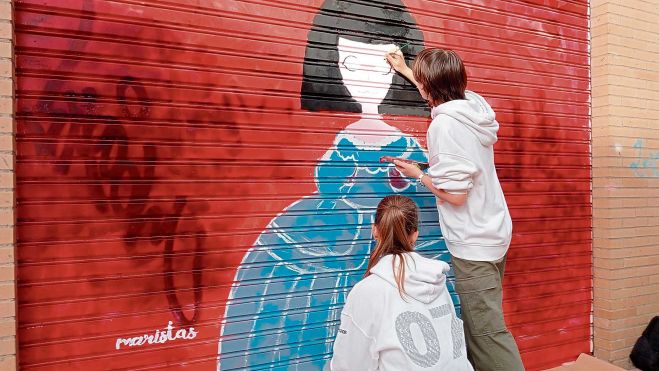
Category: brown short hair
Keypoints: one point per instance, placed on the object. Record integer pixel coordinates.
(442, 75)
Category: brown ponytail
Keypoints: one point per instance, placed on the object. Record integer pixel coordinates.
(396, 219)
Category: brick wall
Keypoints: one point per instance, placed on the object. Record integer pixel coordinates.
(7, 277)
(625, 83)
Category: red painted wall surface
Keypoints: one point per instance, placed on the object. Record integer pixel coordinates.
(156, 141)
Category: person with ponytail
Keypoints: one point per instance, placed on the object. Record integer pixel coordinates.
(400, 316)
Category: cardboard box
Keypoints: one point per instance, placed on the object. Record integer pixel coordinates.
(586, 362)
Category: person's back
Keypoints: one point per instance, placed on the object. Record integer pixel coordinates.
(419, 332)
(401, 316)
(460, 141)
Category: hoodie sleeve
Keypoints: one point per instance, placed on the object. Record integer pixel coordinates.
(451, 168)
(353, 349)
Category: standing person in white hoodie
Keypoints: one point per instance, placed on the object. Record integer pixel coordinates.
(474, 216)
(400, 317)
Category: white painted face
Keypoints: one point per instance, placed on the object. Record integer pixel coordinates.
(366, 74)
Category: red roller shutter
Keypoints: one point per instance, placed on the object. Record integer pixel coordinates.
(172, 171)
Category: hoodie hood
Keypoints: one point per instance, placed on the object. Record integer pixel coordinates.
(473, 112)
(424, 278)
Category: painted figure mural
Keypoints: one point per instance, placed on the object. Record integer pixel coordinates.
(195, 181)
(321, 243)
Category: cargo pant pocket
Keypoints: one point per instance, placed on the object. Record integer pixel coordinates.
(480, 299)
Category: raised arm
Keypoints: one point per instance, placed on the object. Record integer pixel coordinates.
(397, 61)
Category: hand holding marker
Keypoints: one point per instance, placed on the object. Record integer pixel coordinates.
(420, 165)
(395, 57)
(399, 50)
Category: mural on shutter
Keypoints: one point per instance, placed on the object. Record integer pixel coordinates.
(196, 180)
(290, 287)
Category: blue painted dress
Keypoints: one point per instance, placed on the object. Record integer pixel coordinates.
(284, 309)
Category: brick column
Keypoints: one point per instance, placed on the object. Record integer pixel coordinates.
(625, 124)
(7, 276)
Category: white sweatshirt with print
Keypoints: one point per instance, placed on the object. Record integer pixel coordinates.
(460, 140)
(382, 331)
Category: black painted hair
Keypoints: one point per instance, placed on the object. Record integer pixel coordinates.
(376, 22)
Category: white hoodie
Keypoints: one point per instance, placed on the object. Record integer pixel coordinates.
(381, 331)
(460, 140)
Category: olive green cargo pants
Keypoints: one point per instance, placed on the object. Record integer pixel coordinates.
(490, 346)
